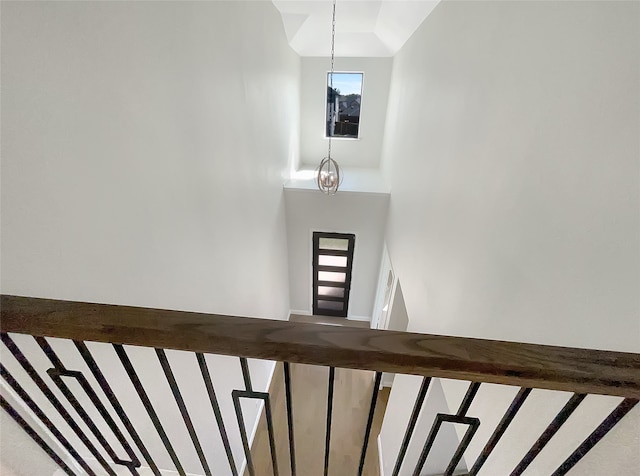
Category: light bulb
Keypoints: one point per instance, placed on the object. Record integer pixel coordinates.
(328, 177)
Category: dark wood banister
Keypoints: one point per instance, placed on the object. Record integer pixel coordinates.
(509, 363)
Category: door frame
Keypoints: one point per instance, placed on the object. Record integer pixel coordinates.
(316, 267)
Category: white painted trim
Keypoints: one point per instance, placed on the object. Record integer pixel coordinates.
(21, 408)
(392, 299)
(386, 267)
(359, 318)
(387, 379)
(377, 303)
(257, 422)
(301, 186)
(97, 467)
(271, 374)
(309, 257)
(243, 466)
(380, 459)
(309, 313)
(460, 472)
(301, 313)
(326, 101)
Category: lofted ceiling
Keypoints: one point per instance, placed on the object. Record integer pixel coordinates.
(364, 28)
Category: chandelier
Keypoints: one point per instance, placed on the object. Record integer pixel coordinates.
(328, 174)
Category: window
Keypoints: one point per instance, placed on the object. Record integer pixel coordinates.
(342, 116)
(332, 263)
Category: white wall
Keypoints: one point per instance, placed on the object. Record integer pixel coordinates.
(398, 319)
(143, 150)
(393, 429)
(386, 282)
(363, 152)
(512, 152)
(15, 444)
(364, 214)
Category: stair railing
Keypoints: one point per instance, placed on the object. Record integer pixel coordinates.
(478, 361)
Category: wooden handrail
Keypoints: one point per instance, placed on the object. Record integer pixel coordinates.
(509, 363)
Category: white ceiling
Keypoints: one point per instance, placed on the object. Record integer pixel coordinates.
(363, 27)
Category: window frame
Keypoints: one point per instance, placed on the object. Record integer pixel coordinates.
(326, 98)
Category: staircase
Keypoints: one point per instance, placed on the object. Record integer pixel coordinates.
(105, 389)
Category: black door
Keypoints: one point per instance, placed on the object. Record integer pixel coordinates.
(332, 263)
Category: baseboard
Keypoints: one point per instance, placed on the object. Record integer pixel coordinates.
(94, 464)
(359, 318)
(380, 460)
(457, 473)
(309, 313)
(23, 410)
(269, 380)
(301, 313)
(387, 379)
(256, 424)
(253, 433)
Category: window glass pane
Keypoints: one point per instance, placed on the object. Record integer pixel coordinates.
(340, 244)
(344, 97)
(329, 276)
(329, 291)
(330, 305)
(326, 260)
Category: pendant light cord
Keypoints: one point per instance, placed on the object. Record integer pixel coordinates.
(333, 43)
